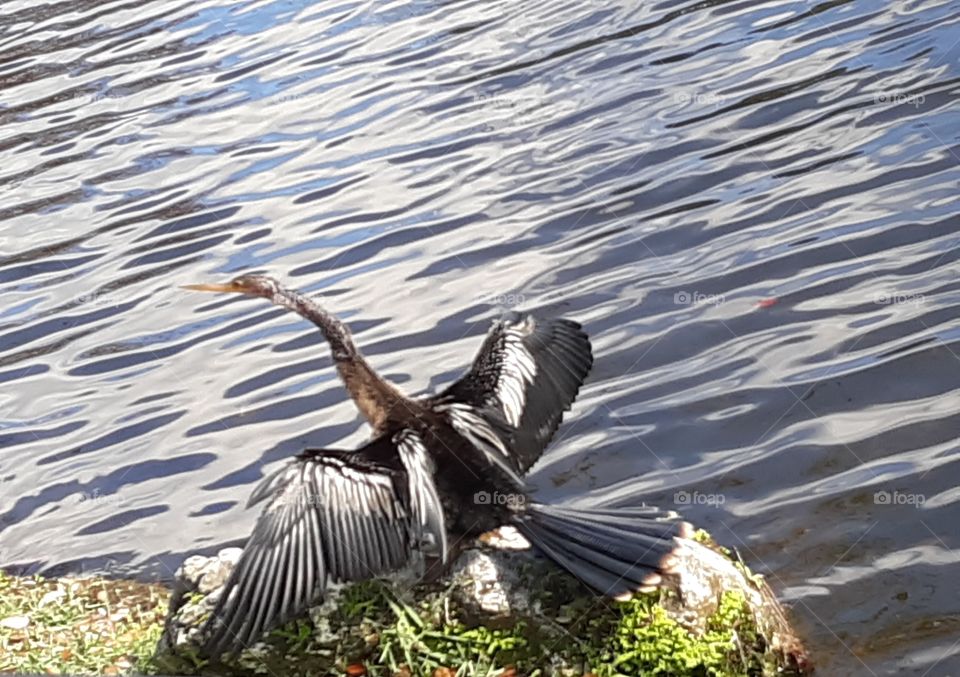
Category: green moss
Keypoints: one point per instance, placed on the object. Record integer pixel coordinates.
(649, 642)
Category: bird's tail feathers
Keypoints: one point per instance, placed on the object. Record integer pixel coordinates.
(615, 551)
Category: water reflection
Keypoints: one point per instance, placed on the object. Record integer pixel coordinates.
(752, 208)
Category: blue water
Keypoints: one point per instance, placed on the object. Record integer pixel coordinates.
(752, 207)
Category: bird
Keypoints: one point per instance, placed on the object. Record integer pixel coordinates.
(438, 471)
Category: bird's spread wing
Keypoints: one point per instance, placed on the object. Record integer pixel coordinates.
(528, 371)
(331, 516)
(427, 521)
(488, 434)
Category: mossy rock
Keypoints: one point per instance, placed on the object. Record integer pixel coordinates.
(508, 612)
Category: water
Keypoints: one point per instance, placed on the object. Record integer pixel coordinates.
(752, 207)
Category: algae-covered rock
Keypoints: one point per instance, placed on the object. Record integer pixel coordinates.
(504, 610)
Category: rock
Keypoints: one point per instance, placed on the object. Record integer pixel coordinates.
(15, 622)
(500, 607)
(217, 573)
(485, 589)
(52, 596)
(206, 574)
(196, 588)
(193, 567)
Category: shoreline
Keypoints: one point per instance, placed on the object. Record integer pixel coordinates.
(97, 625)
(79, 624)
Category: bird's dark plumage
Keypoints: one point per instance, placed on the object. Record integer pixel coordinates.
(335, 515)
(330, 515)
(529, 370)
(616, 551)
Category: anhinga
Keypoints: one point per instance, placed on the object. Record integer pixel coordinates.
(431, 474)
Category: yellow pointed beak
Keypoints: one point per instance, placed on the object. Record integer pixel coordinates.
(228, 287)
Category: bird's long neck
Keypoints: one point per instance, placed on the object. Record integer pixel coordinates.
(373, 396)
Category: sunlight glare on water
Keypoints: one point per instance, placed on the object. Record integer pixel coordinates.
(752, 207)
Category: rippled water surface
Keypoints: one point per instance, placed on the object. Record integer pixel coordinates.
(752, 206)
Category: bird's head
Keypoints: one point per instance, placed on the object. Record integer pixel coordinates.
(250, 285)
